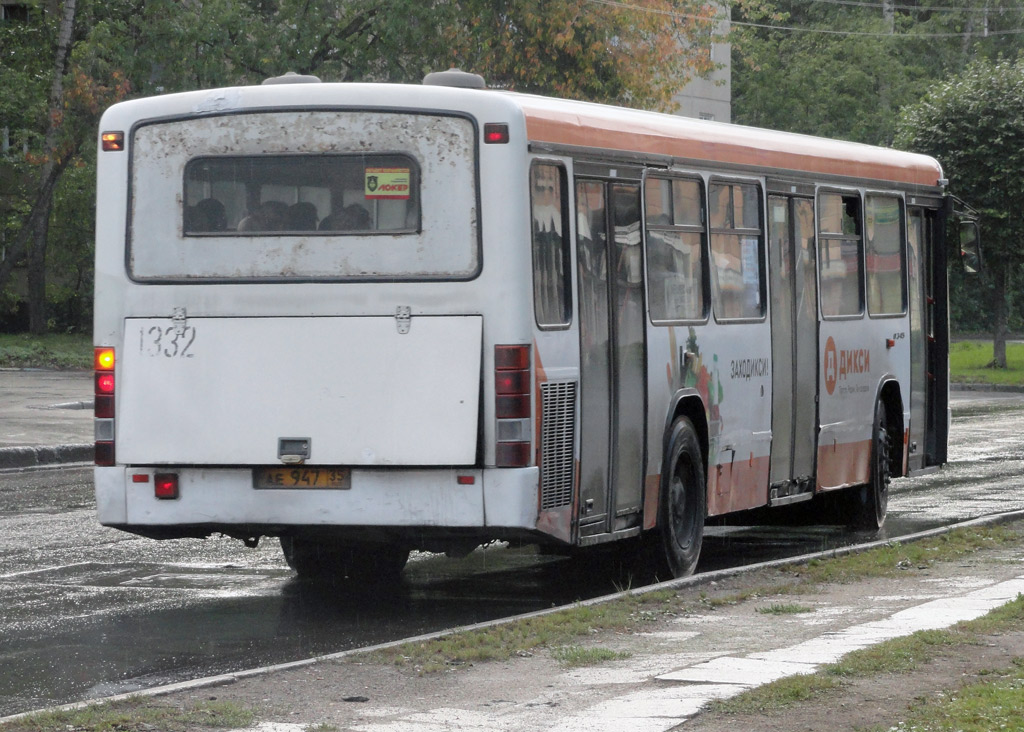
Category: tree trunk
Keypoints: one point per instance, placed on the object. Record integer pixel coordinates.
(40, 210)
(999, 318)
(37, 324)
(39, 227)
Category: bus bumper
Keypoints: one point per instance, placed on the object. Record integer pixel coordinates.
(502, 498)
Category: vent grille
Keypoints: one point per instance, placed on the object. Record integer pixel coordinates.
(557, 443)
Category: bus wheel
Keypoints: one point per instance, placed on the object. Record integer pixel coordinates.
(683, 497)
(325, 559)
(871, 501)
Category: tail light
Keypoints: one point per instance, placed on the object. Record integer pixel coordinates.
(512, 407)
(103, 405)
(165, 485)
(112, 141)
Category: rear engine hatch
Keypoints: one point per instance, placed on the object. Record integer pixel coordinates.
(226, 391)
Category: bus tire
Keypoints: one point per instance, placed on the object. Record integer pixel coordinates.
(683, 500)
(310, 558)
(871, 501)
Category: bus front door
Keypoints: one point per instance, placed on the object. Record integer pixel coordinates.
(917, 231)
(612, 361)
(794, 323)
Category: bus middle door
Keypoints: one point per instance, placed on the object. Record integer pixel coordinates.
(794, 348)
(612, 360)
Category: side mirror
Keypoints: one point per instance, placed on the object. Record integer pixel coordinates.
(970, 247)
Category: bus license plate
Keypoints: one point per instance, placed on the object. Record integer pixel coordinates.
(336, 478)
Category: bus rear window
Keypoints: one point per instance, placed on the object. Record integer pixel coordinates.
(285, 194)
(301, 195)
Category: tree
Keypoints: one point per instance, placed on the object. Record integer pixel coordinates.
(636, 54)
(54, 138)
(67, 66)
(844, 69)
(974, 125)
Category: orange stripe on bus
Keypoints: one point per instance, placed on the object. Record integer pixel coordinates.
(572, 123)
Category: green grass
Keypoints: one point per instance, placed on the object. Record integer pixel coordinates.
(898, 655)
(54, 351)
(578, 656)
(896, 557)
(901, 655)
(137, 715)
(785, 608)
(501, 642)
(1003, 618)
(995, 704)
(969, 364)
(777, 695)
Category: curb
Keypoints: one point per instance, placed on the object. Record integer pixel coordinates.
(43, 455)
(1010, 388)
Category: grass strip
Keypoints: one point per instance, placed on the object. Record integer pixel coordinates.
(54, 351)
(137, 715)
(579, 656)
(785, 608)
(567, 627)
(970, 363)
(994, 704)
(895, 656)
(898, 557)
(522, 637)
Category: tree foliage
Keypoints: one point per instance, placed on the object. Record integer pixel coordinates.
(846, 69)
(585, 50)
(637, 53)
(974, 125)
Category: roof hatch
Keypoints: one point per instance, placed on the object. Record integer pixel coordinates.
(455, 78)
(293, 78)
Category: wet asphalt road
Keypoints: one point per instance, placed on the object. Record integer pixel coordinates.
(87, 611)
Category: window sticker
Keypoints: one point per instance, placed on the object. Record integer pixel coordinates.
(387, 183)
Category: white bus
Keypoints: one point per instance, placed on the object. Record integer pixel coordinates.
(375, 318)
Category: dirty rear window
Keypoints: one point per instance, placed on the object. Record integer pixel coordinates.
(325, 194)
(304, 195)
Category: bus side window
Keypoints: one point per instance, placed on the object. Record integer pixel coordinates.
(674, 216)
(552, 281)
(886, 256)
(840, 246)
(737, 264)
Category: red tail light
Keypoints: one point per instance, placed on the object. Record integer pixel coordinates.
(496, 133)
(103, 404)
(512, 406)
(165, 486)
(104, 453)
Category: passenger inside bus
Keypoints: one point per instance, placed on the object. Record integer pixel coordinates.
(207, 215)
(270, 216)
(302, 216)
(351, 218)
